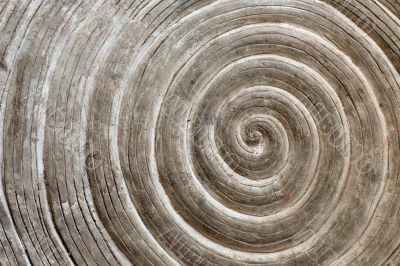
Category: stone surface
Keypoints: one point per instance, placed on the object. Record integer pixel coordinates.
(199, 132)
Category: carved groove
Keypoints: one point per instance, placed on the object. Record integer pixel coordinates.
(200, 132)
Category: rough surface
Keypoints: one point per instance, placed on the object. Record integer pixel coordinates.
(199, 132)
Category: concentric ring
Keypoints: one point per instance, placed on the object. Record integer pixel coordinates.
(200, 132)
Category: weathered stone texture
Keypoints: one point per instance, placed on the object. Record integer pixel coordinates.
(200, 132)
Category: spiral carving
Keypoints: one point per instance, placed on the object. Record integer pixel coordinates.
(200, 132)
